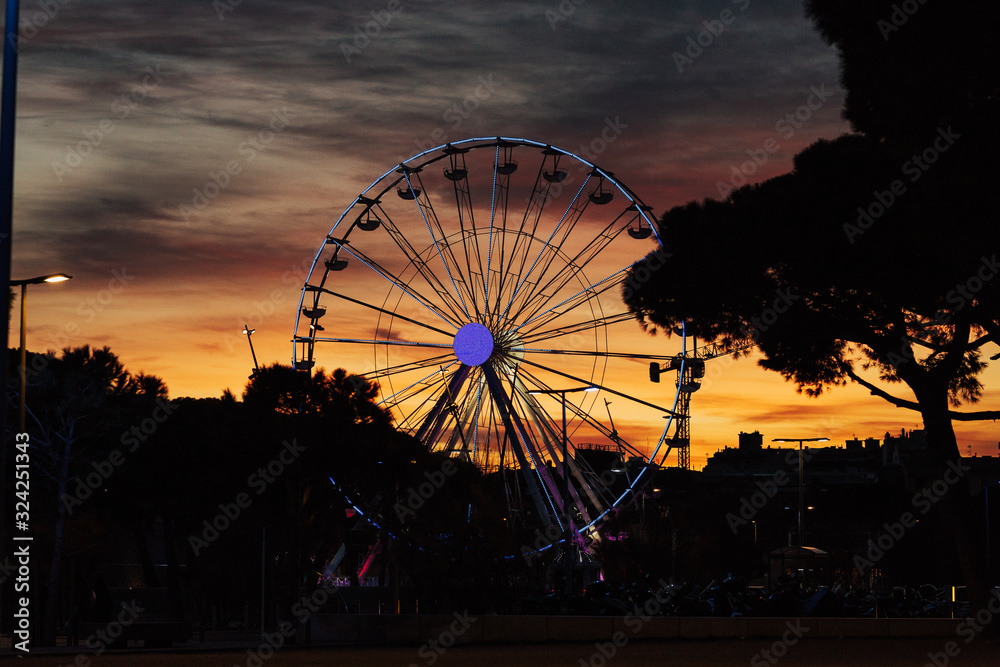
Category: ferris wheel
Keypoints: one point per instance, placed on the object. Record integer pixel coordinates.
(480, 282)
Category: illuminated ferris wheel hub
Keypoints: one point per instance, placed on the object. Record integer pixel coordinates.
(473, 344)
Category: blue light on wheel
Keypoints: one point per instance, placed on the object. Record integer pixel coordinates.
(473, 344)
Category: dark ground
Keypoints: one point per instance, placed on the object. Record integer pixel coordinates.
(694, 653)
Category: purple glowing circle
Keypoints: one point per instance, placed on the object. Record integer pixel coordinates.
(473, 344)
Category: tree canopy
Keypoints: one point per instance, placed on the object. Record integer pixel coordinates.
(879, 250)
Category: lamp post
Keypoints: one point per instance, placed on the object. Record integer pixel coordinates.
(565, 455)
(50, 278)
(249, 332)
(800, 441)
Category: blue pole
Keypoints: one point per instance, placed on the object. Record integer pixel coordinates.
(7, 112)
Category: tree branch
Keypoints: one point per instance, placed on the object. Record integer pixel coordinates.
(982, 415)
(881, 393)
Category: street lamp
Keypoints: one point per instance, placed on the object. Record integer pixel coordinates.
(51, 278)
(249, 332)
(800, 441)
(565, 454)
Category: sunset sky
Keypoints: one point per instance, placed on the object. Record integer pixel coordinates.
(184, 161)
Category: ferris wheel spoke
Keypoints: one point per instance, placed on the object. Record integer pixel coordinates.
(459, 176)
(489, 247)
(406, 287)
(586, 416)
(578, 327)
(567, 305)
(463, 410)
(533, 210)
(579, 263)
(378, 341)
(385, 311)
(486, 437)
(536, 475)
(407, 421)
(423, 382)
(480, 385)
(552, 434)
(547, 253)
(503, 166)
(600, 353)
(437, 235)
(423, 269)
(599, 386)
(429, 384)
(435, 419)
(408, 367)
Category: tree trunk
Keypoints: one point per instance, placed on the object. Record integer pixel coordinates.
(956, 504)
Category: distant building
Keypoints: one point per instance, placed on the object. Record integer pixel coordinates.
(905, 446)
(864, 462)
(859, 462)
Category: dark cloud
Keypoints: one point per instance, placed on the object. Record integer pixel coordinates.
(214, 223)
